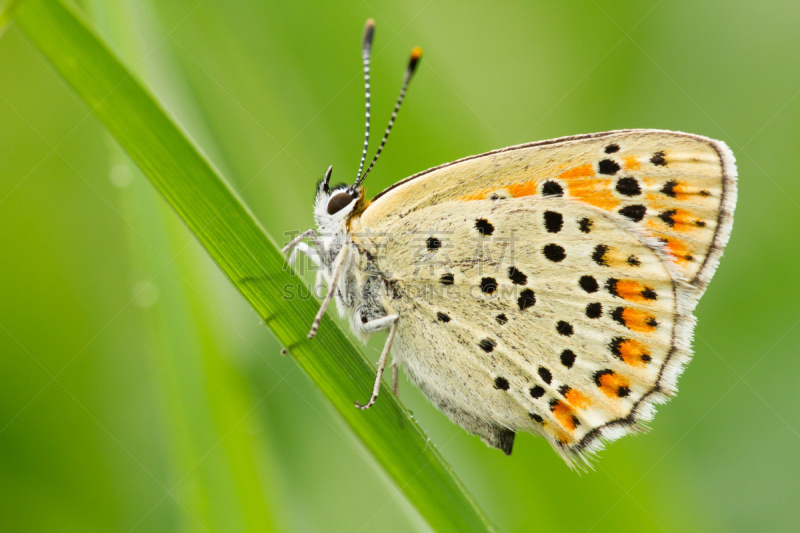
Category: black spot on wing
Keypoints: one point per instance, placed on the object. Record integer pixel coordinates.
(526, 299)
(554, 252)
(629, 187)
(616, 314)
(608, 167)
(564, 328)
(599, 254)
(669, 188)
(658, 159)
(588, 283)
(487, 345)
(517, 277)
(484, 227)
(433, 244)
(501, 383)
(594, 310)
(633, 212)
(553, 221)
(552, 188)
(568, 358)
(611, 286)
(488, 285)
(667, 217)
(615, 345)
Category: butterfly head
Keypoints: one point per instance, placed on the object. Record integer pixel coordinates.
(334, 203)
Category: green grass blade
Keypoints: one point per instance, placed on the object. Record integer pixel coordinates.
(239, 246)
(222, 468)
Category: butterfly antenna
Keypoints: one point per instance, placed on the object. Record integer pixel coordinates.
(416, 55)
(369, 31)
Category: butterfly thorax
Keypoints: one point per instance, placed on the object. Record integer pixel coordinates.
(363, 291)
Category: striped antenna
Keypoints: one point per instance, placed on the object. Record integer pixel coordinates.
(369, 31)
(416, 55)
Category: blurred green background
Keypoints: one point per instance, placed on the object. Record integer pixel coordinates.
(139, 393)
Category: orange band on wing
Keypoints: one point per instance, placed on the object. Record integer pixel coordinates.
(631, 163)
(527, 188)
(564, 414)
(477, 195)
(582, 185)
(633, 291)
(679, 250)
(639, 321)
(577, 399)
(613, 385)
(633, 352)
(583, 171)
(587, 190)
(679, 219)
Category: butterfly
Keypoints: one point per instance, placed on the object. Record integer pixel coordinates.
(546, 287)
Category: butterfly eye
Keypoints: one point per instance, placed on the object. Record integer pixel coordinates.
(339, 201)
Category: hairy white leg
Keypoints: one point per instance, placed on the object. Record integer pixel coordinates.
(381, 366)
(394, 376)
(311, 253)
(321, 278)
(299, 238)
(337, 268)
(379, 323)
(304, 248)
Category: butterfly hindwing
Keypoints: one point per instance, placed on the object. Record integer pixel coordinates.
(557, 333)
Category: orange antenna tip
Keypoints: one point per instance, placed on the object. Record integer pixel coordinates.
(416, 55)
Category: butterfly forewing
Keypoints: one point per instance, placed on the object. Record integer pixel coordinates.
(679, 187)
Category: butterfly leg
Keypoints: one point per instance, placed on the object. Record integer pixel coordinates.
(304, 248)
(394, 376)
(321, 278)
(378, 324)
(311, 253)
(337, 269)
(381, 364)
(299, 238)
